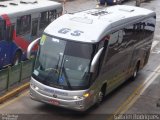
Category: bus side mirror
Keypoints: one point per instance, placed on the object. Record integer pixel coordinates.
(31, 45)
(95, 60)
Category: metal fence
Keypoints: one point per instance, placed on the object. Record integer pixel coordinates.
(15, 74)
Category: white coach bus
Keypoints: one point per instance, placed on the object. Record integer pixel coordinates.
(84, 56)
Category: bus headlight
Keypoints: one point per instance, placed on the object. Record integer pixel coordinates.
(81, 97)
(86, 95)
(77, 97)
(37, 88)
(34, 87)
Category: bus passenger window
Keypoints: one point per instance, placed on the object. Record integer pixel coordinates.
(120, 36)
(34, 27)
(113, 45)
(23, 24)
(149, 27)
(9, 33)
(52, 15)
(113, 40)
(44, 19)
(128, 36)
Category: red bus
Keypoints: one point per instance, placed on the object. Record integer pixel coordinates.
(20, 23)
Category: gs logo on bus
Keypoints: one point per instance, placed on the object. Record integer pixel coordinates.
(73, 33)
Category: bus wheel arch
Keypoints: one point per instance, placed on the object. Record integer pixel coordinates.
(17, 57)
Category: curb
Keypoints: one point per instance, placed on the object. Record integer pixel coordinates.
(14, 92)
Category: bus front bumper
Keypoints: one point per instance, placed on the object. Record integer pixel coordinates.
(78, 105)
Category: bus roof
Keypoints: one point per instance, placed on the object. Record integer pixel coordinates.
(92, 25)
(17, 7)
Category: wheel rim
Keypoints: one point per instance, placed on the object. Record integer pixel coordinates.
(16, 62)
(135, 73)
(100, 97)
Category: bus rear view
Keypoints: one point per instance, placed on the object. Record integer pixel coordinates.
(75, 65)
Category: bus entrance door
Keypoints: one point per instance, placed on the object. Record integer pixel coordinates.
(2, 42)
(6, 45)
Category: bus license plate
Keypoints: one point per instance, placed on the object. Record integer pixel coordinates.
(54, 102)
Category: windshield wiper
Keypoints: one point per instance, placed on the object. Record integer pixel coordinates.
(66, 78)
(62, 70)
(59, 58)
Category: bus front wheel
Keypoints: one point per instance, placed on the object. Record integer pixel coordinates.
(17, 58)
(100, 97)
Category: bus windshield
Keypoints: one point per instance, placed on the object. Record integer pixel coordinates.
(63, 64)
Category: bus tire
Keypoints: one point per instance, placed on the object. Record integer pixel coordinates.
(135, 71)
(17, 58)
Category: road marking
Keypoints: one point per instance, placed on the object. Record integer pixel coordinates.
(14, 99)
(154, 44)
(136, 94)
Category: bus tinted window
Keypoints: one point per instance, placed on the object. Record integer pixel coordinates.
(52, 15)
(23, 24)
(34, 27)
(44, 19)
(9, 32)
(149, 27)
(128, 36)
(82, 50)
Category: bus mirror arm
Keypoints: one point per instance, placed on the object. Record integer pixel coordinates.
(31, 45)
(95, 60)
